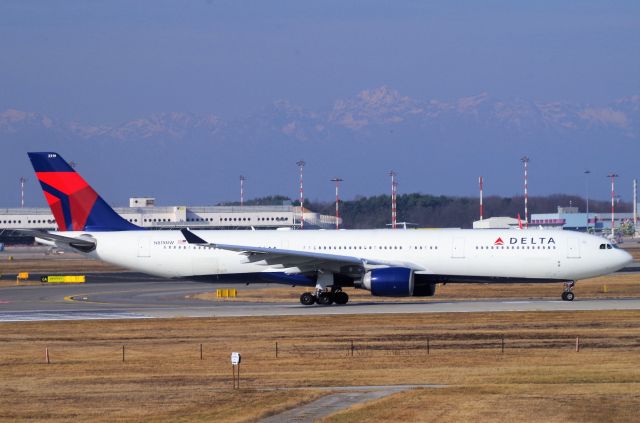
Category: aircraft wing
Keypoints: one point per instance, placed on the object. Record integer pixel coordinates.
(84, 244)
(296, 258)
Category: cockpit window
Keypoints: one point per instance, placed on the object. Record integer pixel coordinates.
(602, 246)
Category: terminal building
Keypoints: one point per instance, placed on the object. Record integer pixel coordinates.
(143, 212)
(496, 223)
(570, 218)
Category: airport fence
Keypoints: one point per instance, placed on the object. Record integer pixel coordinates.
(444, 344)
(327, 348)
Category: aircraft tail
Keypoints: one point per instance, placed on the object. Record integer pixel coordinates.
(74, 204)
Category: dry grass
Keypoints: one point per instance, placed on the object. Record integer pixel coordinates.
(54, 264)
(499, 403)
(49, 265)
(539, 377)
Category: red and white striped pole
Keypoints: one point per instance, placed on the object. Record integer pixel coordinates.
(394, 192)
(337, 181)
(635, 205)
(481, 208)
(525, 160)
(301, 165)
(242, 179)
(613, 177)
(22, 181)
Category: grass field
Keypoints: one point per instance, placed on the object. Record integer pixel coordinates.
(539, 377)
(54, 265)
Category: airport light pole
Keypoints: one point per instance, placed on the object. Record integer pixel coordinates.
(394, 192)
(525, 161)
(242, 179)
(301, 164)
(22, 181)
(587, 173)
(481, 188)
(337, 181)
(635, 205)
(613, 177)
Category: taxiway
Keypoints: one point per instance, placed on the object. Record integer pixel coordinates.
(131, 295)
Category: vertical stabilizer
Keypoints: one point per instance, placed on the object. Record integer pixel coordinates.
(74, 204)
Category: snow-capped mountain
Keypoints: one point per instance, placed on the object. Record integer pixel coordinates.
(377, 107)
(380, 127)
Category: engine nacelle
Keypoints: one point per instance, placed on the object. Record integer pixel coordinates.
(424, 289)
(389, 282)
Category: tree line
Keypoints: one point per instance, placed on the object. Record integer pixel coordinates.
(441, 211)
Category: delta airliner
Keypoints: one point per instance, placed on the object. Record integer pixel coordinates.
(385, 262)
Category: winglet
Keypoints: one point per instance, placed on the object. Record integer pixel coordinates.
(192, 238)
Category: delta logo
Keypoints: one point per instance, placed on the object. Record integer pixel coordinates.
(526, 241)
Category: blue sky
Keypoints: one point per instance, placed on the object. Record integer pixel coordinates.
(107, 62)
(115, 60)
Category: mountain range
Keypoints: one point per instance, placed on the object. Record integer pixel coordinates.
(436, 146)
(381, 106)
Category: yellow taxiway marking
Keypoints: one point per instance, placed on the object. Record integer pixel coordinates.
(71, 298)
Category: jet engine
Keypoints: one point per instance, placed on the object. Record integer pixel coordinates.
(423, 289)
(389, 282)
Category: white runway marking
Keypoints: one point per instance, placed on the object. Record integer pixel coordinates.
(68, 315)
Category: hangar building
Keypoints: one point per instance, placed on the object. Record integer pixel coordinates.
(143, 212)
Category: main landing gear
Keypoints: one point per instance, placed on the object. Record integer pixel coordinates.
(568, 294)
(324, 297)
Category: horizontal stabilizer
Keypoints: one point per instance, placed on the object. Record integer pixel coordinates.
(84, 244)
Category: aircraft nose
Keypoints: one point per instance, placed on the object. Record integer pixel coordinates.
(625, 258)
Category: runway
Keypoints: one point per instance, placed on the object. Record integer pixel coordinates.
(131, 296)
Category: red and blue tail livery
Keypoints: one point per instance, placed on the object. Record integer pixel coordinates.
(74, 204)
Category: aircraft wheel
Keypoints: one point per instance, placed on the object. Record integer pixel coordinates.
(341, 297)
(307, 298)
(325, 298)
(568, 296)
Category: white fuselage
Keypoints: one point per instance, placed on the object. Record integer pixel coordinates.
(516, 254)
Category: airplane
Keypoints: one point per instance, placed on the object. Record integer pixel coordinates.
(386, 262)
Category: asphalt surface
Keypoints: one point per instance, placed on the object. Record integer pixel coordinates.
(345, 397)
(131, 295)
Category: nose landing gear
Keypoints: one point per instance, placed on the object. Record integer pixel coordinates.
(568, 294)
